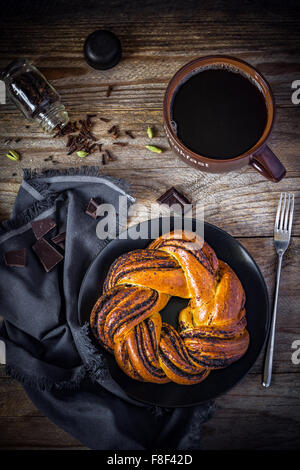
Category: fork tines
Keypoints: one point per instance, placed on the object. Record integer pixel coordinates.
(285, 212)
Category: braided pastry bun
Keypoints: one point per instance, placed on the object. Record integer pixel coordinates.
(212, 328)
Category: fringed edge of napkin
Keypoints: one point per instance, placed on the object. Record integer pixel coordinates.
(201, 414)
(94, 361)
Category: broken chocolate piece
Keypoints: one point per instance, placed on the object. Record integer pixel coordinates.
(172, 196)
(41, 227)
(16, 258)
(109, 156)
(92, 208)
(59, 238)
(47, 254)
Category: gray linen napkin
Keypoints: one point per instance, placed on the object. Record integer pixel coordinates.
(47, 350)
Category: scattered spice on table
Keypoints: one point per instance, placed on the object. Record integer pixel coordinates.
(42, 226)
(104, 159)
(130, 134)
(81, 154)
(59, 238)
(79, 135)
(150, 133)
(47, 254)
(92, 207)
(173, 196)
(153, 148)
(121, 144)
(81, 140)
(92, 148)
(112, 129)
(109, 156)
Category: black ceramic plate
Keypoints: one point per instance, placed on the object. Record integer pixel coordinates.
(218, 381)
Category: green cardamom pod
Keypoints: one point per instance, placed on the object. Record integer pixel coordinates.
(13, 155)
(154, 149)
(82, 153)
(150, 132)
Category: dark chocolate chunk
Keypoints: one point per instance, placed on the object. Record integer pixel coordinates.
(92, 208)
(109, 156)
(130, 134)
(41, 227)
(59, 238)
(172, 196)
(109, 90)
(16, 258)
(112, 130)
(102, 49)
(47, 254)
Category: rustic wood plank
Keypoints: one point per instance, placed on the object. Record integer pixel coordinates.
(157, 39)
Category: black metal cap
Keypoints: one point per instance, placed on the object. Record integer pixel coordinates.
(102, 49)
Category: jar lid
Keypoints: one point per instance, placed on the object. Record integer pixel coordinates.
(102, 49)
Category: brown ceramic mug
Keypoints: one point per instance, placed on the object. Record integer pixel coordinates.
(260, 156)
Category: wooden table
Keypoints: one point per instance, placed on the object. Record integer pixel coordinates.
(158, 38)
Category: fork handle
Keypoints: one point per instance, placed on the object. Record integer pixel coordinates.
(270, 346)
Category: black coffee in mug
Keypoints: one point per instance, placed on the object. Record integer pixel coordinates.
(219, 113)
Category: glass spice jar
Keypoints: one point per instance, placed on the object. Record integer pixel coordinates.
(34, 95)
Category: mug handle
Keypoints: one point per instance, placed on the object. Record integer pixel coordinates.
(266, 163)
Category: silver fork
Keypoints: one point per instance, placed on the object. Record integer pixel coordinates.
(282, 236)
